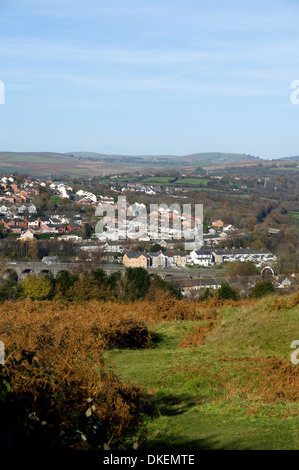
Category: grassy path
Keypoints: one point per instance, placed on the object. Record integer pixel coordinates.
(213, 396)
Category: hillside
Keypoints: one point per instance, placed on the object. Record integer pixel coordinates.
(174, 374)
(291, 159)
(91, 163)
(210, 158)
(222, 382)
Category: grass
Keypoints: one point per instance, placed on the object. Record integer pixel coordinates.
(287, 168)
(157, 180)
(214, 396)
(295, 215)
(196, 181)
(55, 198)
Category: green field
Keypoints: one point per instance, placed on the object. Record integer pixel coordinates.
(158, 179)
(220, 395)
(295, 215)
(170, 181)
(194, 181)
(55, 199)
(287, 168)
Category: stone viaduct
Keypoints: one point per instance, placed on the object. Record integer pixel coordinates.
(21, 269)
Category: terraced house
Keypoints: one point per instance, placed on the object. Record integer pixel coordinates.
(136, 260)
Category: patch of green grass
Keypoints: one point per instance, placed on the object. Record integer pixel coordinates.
(295, 215)
(55, 198)
(181, 182)
(256, 330)
(158, 179)
(206, 395)
(286, 168)
(195, 181)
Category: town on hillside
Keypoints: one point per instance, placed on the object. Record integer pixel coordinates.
(42, 218)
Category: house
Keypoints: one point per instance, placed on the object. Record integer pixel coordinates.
(176, 258)
(211, 240)
(201, 257)
(17, 222)
(159, 260)
(60, 216)
(287, 283)
(91, 246)
(186, 285)
(217, 223)
(20, 198)
(31, 208)
(14, 187)
(258, 257)
(53, 228)
(27, 236)
(33, 223)
(136, 260)
(50, 259)
(15, 229)
(74, 238)
(229, 228)
(44, 220)
(73, 227)
(113, 247)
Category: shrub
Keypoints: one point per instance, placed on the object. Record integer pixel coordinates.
(205, 295)
(51, 405)
(36, 288)
(159, 287)
(139, 279)
(245, 268)
(226, 292)
(9, 289)
(261, 289)
(54, 390)
(124, 333)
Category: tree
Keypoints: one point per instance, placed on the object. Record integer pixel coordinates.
(156, 248)
(33, 251)
(87, 288)
(206, 295)
(261, 289)
(9, 289)
(258, 245)
(36, 288)
(140, 280)
(226, 292)
(91, 259)
(159, 287)
(238, 268)
(133, 285)
(63, 282)
(86, 231)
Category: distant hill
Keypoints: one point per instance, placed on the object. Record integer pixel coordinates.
(209, 158)
(296, 158)
(92, 163)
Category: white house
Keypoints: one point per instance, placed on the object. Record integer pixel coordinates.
(201, 258)
(28, 236)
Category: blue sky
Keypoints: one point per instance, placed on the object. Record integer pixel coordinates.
(149, 76)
